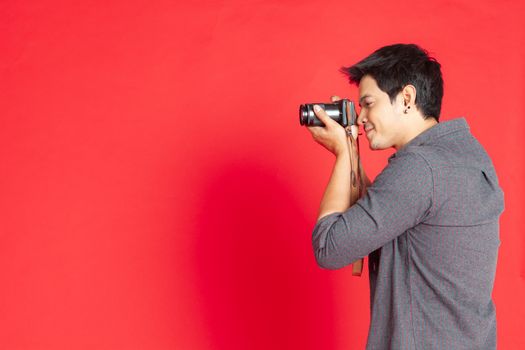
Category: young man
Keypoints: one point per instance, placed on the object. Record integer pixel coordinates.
(430, 220)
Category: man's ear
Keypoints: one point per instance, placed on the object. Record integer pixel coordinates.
(409, 95)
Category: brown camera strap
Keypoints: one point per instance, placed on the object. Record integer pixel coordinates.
(357, 189)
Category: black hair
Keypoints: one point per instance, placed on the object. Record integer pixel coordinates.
(395, 66)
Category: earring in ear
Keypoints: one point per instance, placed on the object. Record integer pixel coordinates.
(406, 110)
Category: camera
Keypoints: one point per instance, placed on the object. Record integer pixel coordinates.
(342, 111)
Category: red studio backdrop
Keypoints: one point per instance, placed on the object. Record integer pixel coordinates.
(158, 192)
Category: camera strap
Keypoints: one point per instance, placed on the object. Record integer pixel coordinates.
(357, 189)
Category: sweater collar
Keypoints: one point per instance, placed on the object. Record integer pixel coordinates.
(437, 131)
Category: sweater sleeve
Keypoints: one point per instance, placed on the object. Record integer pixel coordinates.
(398, 199)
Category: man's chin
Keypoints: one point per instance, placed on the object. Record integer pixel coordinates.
(375, 146)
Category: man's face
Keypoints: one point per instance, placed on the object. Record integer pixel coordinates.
(380, 118)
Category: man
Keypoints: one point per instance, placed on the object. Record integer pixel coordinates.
(430, 219)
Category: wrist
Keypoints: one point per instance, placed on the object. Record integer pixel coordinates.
(342, 151)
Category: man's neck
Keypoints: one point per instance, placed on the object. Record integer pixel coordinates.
(414, 128)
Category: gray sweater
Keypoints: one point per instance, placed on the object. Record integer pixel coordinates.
(430, 225)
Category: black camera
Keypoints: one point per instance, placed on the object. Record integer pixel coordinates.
(342, 111)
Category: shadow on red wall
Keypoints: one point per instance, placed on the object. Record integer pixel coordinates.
(258, 282)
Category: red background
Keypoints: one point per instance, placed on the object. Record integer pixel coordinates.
(157, 191)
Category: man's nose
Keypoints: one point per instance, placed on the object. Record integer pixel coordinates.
(360, 118)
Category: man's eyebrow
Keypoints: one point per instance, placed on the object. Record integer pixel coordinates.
(362, 98)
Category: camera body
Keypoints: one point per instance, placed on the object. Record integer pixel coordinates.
(342, 111)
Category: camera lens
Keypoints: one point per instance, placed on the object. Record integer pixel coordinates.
(303, 114)
(307, 116)
(342, 112)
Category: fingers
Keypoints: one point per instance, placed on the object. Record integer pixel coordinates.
(321, 114)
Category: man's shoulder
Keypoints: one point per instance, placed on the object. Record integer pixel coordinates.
(408, 164)
(409, 157)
